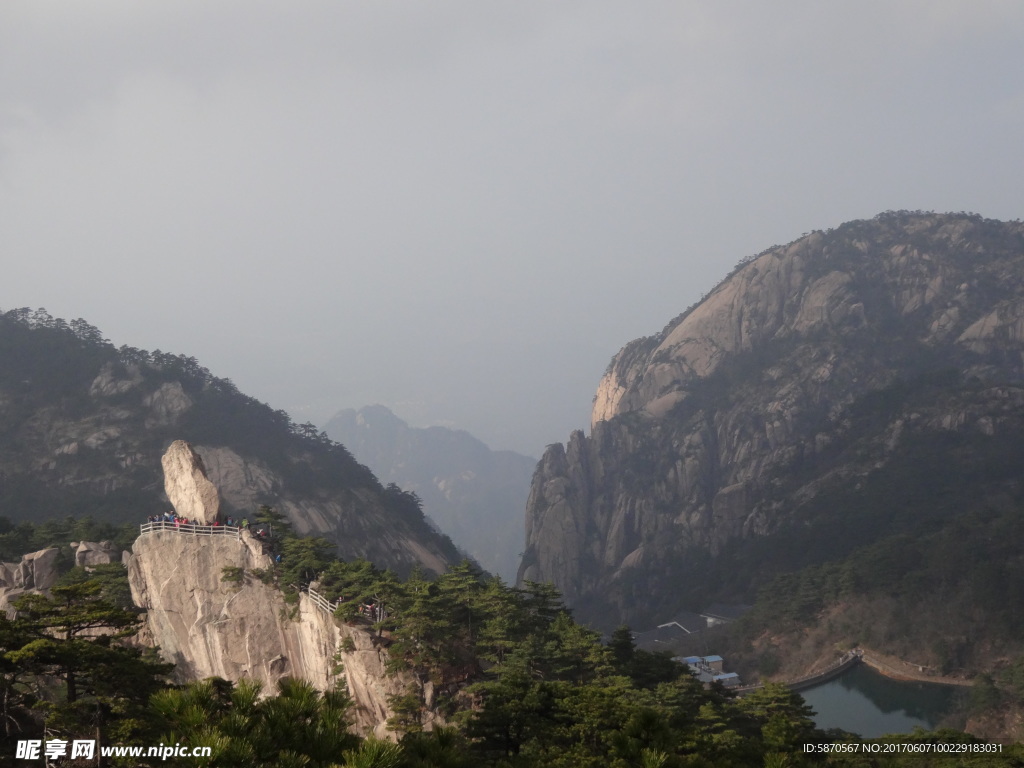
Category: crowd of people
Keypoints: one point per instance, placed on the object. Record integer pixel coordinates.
(261, 532)
(171, 516)
(179, 520)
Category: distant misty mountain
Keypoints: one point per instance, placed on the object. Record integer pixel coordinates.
(475, 495)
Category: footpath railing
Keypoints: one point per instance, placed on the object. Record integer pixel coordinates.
(320, 601)
(325, 605)
(192, 529)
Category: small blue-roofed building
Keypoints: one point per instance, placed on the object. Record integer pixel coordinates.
(728, 679)
(715, 662)
(708, 669)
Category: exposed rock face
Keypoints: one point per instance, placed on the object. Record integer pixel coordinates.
(111, 382)
(37, 572)
(166, 404)
(247, 483)
(90, 553)
(724, 424)
(208, 627)
(187, 486)
(472, 493)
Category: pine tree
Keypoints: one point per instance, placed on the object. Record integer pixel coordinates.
(73, 636)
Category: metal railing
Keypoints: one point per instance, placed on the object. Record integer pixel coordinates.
(368, 613)
(191, 529)
(320, 601)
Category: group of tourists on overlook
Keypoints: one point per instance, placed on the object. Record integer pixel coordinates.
(261, 532)
(371, 611)
(173, 517)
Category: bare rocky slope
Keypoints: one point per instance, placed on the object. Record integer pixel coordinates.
(208, 626)
(473, 494)
(83, 426)
(735, 441)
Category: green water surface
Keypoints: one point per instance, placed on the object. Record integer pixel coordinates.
(864, 702)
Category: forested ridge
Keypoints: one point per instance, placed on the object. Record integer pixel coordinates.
(50, 362)
(83, 425)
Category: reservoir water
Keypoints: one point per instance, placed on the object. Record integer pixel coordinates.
(864, 702)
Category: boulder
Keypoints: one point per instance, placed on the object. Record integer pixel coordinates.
(36, 572)
(90, 553)
(189, 489)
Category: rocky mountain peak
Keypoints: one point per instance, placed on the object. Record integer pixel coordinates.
(751, 403)
(211, 627)
(927, 273)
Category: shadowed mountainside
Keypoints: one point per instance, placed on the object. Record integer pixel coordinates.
(855, 385)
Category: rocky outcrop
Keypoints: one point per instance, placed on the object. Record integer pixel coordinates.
(36, 572)
(90, 553)
(166, 404)
(731, 420)
(191, 493)
(208, 626)
(474, 494)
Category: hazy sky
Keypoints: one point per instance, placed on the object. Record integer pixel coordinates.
(462, 210)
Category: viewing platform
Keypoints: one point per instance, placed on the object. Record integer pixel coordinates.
(192, 529)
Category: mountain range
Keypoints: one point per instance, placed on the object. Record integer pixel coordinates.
(474, 494)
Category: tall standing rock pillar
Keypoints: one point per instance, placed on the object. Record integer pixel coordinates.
(187, 486)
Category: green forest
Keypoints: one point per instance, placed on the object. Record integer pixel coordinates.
(498, 676)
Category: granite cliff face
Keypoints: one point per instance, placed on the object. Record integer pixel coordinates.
(84, 426)
(209, 627)
(811, 365)
(472, 493)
